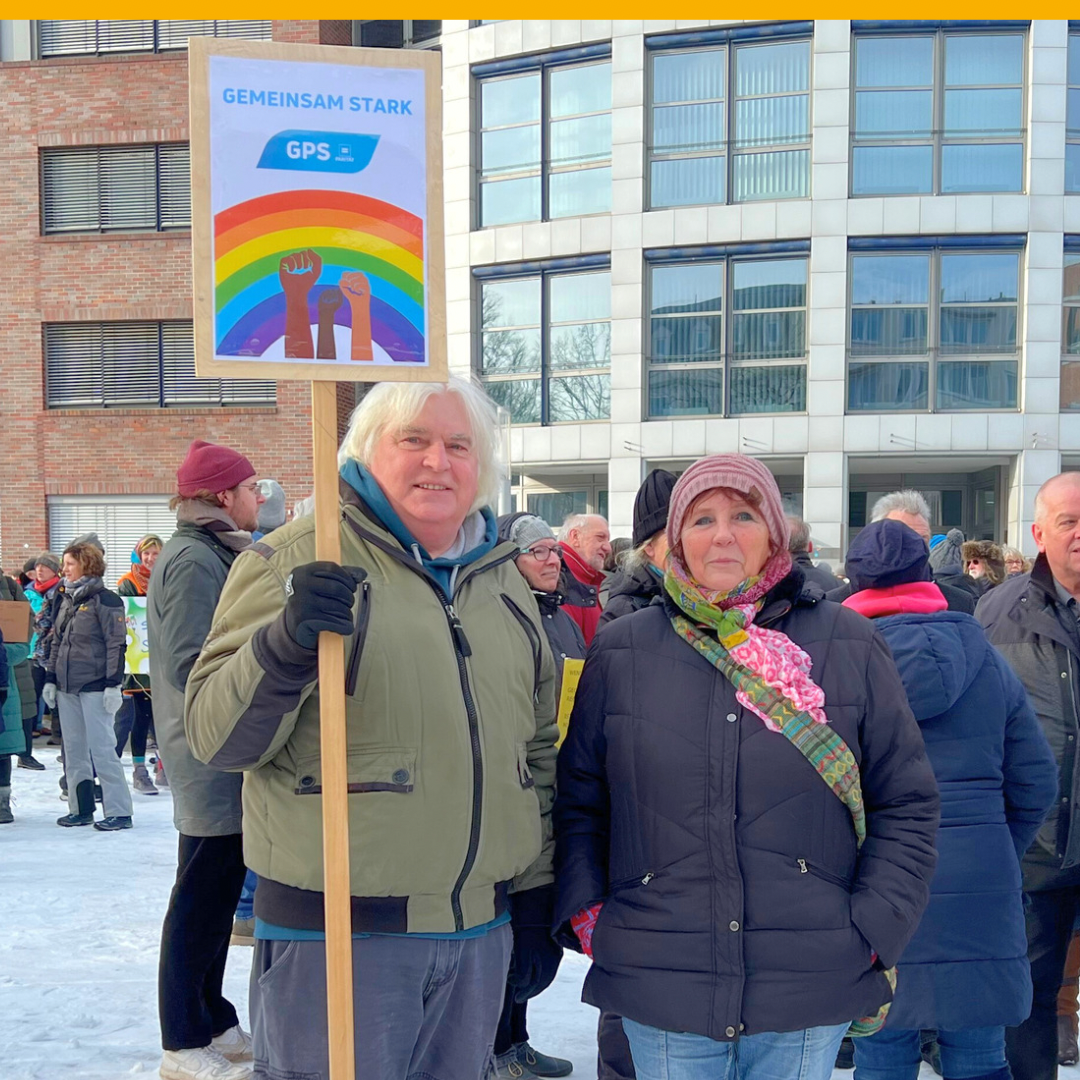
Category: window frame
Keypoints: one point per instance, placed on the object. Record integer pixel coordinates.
(1069, 360)
(728, 148)
(937, 140)
(408, 40)
(156, 46)
(542, 272)
(727, 258)
(934, 354)
(544, 66)
(1074, 139)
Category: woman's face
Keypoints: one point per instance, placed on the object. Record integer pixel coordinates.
(43, 573)
(1014, 565)
(724, 540)
(72, 568)
(149, 556)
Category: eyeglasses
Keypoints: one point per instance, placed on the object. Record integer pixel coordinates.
(541, 554)
(255, 489)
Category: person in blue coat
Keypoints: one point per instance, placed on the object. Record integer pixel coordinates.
(965, 971)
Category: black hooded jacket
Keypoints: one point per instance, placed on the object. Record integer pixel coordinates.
(630, 591)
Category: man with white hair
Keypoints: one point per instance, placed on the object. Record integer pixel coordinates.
(1033, 622)
(450, 715)
(586, 542)
(908, 507)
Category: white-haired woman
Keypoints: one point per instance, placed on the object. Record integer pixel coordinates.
(451, 734)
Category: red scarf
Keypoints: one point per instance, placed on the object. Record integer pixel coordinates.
(44, 586)
(139, 576)
(915, 598)
(585, 573)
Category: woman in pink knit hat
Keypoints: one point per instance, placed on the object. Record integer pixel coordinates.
(745, 815)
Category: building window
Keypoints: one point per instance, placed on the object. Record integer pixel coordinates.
(95, 37)
(1070, 329)
(938, 113)
(115, 188)
(120, 522)
(545, 352)
(1072, 118)
(398, 33)
(730, 124)
(760, 344)
(545, 143)
(933, 329)
(135, 365)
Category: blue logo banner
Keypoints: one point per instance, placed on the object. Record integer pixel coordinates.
(318, 151)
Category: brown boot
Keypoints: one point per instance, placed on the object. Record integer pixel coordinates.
(1068, 1053)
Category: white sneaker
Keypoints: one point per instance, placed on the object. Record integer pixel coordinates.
(234, 1044)
(201, 1063)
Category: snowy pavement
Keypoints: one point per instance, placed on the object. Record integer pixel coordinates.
(78, 951)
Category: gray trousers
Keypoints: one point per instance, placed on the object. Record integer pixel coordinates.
(89, 743)
(422, 1009)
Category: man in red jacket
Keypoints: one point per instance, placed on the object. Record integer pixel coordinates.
(586, 543)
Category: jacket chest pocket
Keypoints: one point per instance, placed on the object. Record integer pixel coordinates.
(391, 768)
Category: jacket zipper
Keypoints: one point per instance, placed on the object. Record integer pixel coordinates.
(534, 640)
(634, 882)
(358, 640)
(812, 868)
(462, 649)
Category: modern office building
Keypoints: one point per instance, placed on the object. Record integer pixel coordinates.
(849, 248)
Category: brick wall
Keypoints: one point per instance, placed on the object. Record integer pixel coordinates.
(91, 101)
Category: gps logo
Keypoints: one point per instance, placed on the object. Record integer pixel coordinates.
(303, 150)
(318, 151)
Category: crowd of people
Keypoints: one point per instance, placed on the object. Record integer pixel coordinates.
(797, 818)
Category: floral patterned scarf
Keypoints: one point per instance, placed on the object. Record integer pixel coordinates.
(771, 676)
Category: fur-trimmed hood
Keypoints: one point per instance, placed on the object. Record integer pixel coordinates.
(989, 554)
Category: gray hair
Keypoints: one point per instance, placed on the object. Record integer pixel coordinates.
(394, 405)
(800, 535)
(907, 502)
(572, 523)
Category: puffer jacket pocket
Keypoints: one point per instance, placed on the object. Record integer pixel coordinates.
(390, 768)
(525, 776)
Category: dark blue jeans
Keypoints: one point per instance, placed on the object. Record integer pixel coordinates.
(895, 1055)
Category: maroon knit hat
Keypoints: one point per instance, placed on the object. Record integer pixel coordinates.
(211, 468)
(735, 471)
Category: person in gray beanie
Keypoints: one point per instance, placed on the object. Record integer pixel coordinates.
(272, 512)
(89, 538)
(947, 563)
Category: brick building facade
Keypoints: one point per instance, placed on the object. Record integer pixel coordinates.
(53, 456)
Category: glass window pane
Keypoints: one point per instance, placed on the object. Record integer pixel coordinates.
(768, 389)
(679, 129)
(768, 283)
(556, 506)
(784, 174)
(989, 277)
(892, 170)
(577, 297)
(573, 194)
(1072, 278)
(580, 90)
(520, 397)
(584, 346)
(887, 387)
(686, 340)
(890, 279)
(982, 112)
(977, 385)
(768, 335)
(579, 397)
(894, 61)
(514, 149)
(970, 329)
(766, 121)
(772, 69)
(1070, 330)
(510, 200)
(693, 287)
(894, 331)
(506, 352)
(687, 181)
(580, 142)
(895, 114)
(510, 101)
(1070, 385)
(511, 303)
(984, 59)
(686, 393)
(976, 167)
(1072, 167)
(1072, 111)
(689, 76)
(1074, 60)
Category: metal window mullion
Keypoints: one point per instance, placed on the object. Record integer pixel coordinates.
(729, 157)
(545, 174)
(160, 334)
(726, 341)
(933, 330)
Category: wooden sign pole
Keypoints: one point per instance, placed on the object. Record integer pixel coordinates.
(335, 757)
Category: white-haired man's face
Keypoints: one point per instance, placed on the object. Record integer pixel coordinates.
(915, 522)
(1057, 528)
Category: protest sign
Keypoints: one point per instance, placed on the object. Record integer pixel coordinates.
(137, 654)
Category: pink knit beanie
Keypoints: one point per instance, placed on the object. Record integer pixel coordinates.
(735, 471)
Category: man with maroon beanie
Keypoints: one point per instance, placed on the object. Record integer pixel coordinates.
(217, 506)
(586, 543)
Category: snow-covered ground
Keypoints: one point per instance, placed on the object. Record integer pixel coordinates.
(82, 914)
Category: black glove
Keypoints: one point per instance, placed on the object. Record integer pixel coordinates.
(320, 597)
(3, 696)
(536, 955)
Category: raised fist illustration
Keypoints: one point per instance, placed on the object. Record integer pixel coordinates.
(357, 288)
(329, 302)
(297, 273)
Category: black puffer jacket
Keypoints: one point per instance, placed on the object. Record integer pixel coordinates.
(630, 591)
(563, 634)
(817, 574)
(1025, 621)
(734, 898)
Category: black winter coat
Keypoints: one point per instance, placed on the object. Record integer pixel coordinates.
(630, 591)
(1024, 619)
(563, 634)
(735, 901)
(817, 574)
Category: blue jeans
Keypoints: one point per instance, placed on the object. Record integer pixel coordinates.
(246, 908)
(787, 1055)
(894, 1055)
